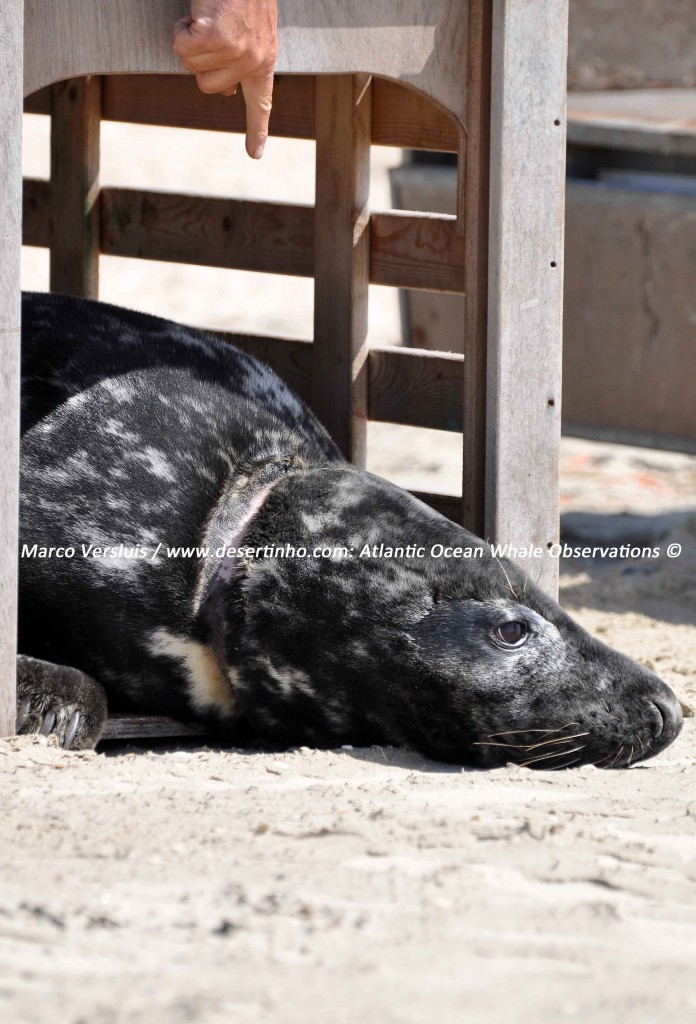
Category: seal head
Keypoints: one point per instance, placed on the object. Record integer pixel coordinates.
(461, 658)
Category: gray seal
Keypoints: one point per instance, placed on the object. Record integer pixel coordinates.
(193, 544)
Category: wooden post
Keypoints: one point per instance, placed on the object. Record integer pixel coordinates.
(526, 277)
(75, 122)
(342, 260)
(11, 58)
(472, 215)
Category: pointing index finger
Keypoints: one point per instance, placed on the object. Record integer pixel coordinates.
(258, 97)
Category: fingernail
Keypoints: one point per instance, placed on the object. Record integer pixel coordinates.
(258, 152)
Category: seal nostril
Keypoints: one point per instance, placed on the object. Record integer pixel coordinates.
(658, 728)
(670, 717)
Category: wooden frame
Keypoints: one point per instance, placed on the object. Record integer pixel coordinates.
(441, 51)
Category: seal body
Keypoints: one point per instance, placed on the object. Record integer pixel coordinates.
(193, 543)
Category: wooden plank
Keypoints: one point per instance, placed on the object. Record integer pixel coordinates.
(10, 241)
(403, 117)
(420, 389)
(419, 42)
(176, 101)
(424, 251)
(447, 505)
(629, 354)
(290, 358)
(75, 117)
(472, 214)
(648, 120)
(150, 727)
(342, 260)
(400, 116)
(423, 389)
(407, 250)
(628, 44)
(36, 216)
(235, 234)
(526, 275)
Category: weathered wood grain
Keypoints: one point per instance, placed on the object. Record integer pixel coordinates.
(236, 234)
(472, 215)
(176, 101)
(526, 275)
(75, 124)
(401, 116)
(36, 212)
(407, 250)
(448, 505)
(416, 251)
(406, 118)
(420, 389)
(423, 389)
(342, 260)
(149, 727)
(418, 42)
(10, 241)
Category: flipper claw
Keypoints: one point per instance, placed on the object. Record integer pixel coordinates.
(48, 723)
(22, 714)
(71, 729)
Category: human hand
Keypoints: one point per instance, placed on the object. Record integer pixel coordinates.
(226, 43)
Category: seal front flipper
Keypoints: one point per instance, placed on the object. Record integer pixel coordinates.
(60, 700)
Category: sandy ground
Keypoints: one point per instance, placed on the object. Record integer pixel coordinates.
(205, 885)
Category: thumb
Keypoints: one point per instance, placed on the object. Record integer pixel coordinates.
(258, 97)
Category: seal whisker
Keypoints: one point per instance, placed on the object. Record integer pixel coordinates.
(558, 739)
(598, 764)
(532, 746)
(554, 753)
(512, 589)
(513, 732)
(567, 764)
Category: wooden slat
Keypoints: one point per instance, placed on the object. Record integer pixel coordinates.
(10, 239)
(175, 100)
(75, 120)
(36, 217)
(447, 505)
(151, 727)
(342, 260)
(400, 117)
(472, 213)
(290, 358)
(526, 275)
(423, 389)
(403, 117)
(407, 250)
(242, 235)
(408, 386)
(421, 251)
(39, 102)
(419, 42)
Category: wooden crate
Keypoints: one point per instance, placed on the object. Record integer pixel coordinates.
(483, 79)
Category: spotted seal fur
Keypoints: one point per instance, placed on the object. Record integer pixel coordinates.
(138, 432)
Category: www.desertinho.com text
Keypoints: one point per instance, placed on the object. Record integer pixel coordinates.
(162, 551)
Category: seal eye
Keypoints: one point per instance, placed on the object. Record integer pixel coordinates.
(512, 634)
